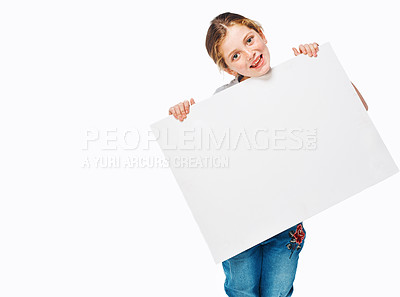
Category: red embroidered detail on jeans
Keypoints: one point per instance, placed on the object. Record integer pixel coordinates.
(297, 237)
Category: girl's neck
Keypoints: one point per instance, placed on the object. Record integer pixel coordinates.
(242, 78)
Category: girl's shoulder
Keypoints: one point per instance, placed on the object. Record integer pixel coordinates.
(230, 84)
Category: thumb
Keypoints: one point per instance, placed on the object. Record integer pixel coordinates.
(192, 101)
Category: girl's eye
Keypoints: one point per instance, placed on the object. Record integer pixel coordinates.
(250, 39)
(235, 56)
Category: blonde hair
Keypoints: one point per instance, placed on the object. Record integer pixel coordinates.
(218, 30)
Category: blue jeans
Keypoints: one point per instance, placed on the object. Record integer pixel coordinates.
(267, 269)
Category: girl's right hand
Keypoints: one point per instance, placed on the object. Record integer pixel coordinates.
(181, 109)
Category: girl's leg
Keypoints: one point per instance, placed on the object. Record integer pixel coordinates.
(243, 273)
(279, 263)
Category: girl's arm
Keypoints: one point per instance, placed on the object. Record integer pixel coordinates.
(361, 97)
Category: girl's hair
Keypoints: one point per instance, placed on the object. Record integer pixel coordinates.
(218, 30)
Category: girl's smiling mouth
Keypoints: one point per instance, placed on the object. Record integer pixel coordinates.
(258, 62)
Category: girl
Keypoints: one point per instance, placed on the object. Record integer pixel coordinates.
(238, 46)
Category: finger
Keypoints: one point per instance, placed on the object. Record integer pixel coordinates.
(296, 53)
(316, 47)
(308, 50)
(187, 106)
(313, 52)
(171, 111)
(177, 112)
(303, 49)
(182, 108)
(192, 101)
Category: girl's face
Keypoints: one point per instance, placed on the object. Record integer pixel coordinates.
(245, 52)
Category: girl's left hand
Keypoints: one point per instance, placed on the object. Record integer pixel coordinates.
(309, 49)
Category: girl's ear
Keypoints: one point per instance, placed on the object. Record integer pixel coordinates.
(231, 72)
(263, 37)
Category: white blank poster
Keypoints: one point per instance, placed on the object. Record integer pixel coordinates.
(272, 151)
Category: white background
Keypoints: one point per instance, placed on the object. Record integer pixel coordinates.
(69, 67)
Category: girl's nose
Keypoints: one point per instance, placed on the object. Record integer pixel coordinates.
(250, 55)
